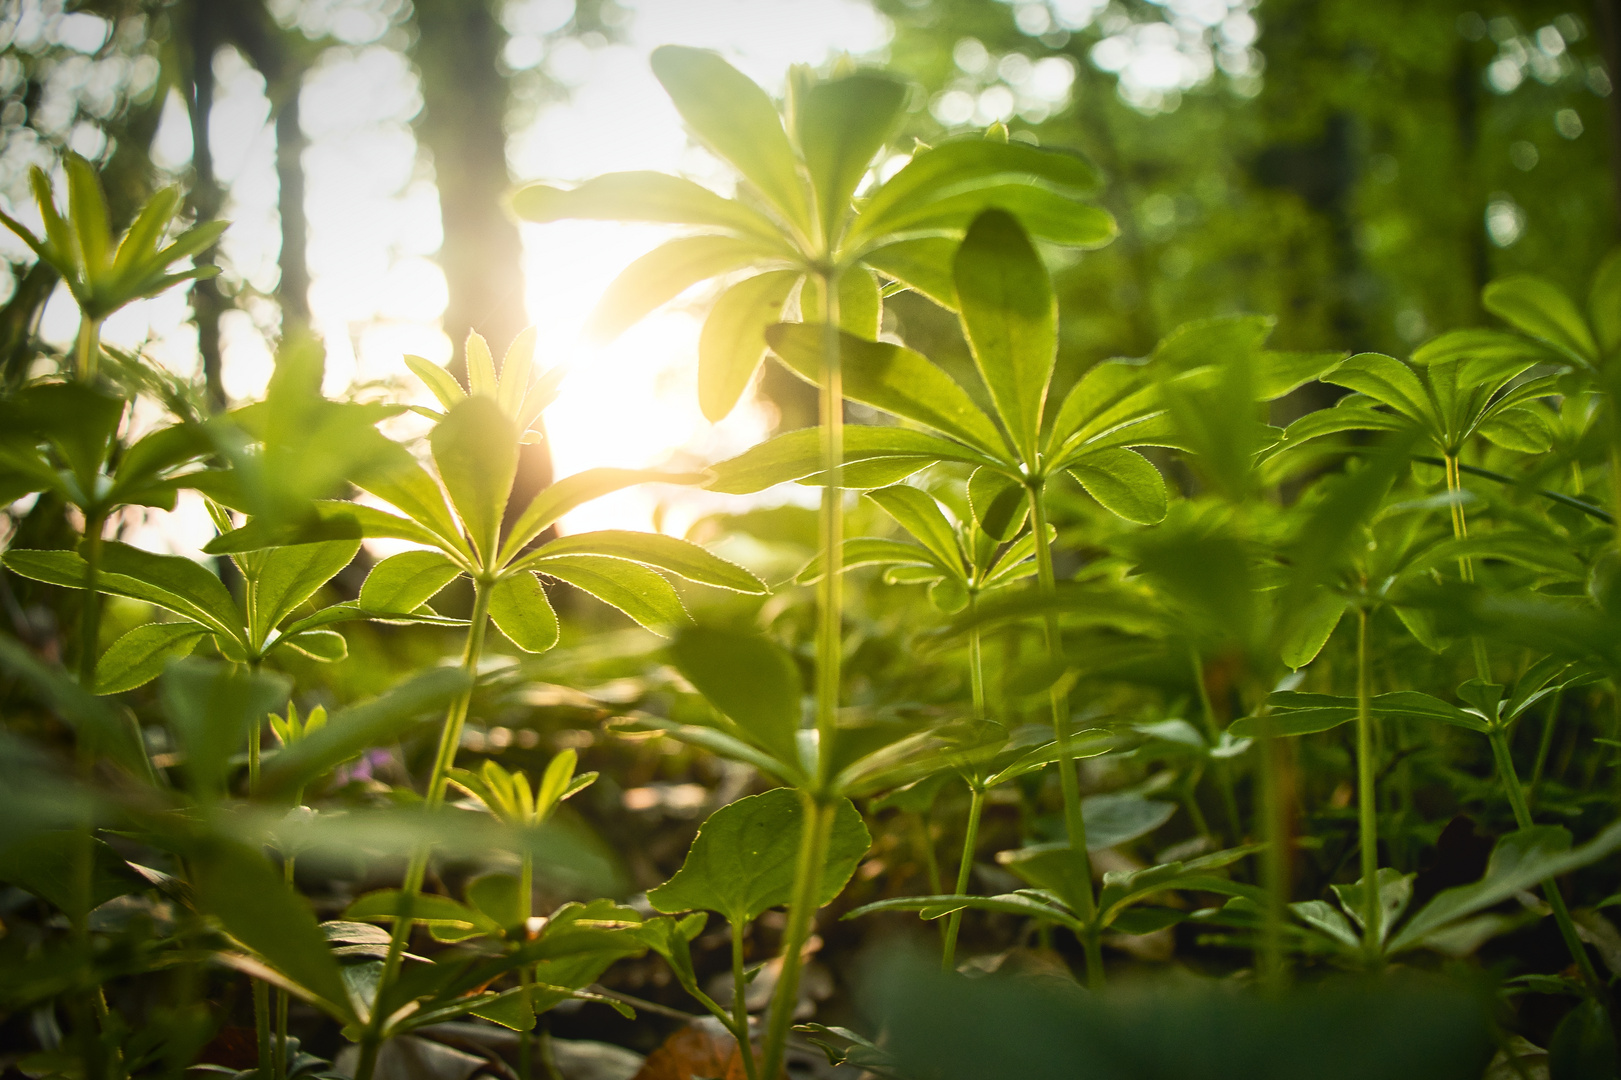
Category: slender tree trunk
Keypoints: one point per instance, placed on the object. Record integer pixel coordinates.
(203, 23)
(1607, 22)
(463, 127)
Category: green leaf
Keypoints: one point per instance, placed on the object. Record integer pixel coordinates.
(357, 728)
(404, 582)
(1518, 429)
(450, 921)
(1519, 861)
(1583, 1045)
(640, 196)
(919, 514)
(169, 581)
(101, 726)
(861, 305)
(734, 118)
(742, 862)
(892, 378)
(869, 551)
(840, 125)
(680, 557)
(1044, 214)
(139, 656)
(239, 887)
(476, 449)
(999, 503)
(51, 866)
(326, 646)
(1010, 318)
(922, 265)
(1125, 483)
(286, 577)
(1386, 380)
(520, 610)
(952, 167)
(212, 708)
(576, 490)
(732, 342)
(1310, 631)
(798, 454)
(641, 593)
(441, 382)
(1109, 395)
(1118, 819)
(1604, 303)
(665, 273)
(750, 679)
(1476, 343)
(1539, 308)
(499, 897)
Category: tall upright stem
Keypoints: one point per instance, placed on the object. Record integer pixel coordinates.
(1367, 810)
(1466, 565)
(976, 803)
(450, 737)
(1222, 768)
(830, 590)
(1069, 783)
(90, 611)
(813, 845)
(740, 1005)
(87, 352)
(1550, 887)
(526, 974)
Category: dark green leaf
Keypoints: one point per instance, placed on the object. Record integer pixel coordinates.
(213, 708)
(746, 677)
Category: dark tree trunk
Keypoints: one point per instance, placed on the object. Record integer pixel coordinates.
(463, 127)
(1607, 21)
(203, 26)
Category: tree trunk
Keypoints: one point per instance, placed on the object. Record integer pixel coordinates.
(1607, 21)
(463, 127)
(202, 23)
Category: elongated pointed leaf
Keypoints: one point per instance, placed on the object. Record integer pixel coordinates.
(1042, 213)
(798, 454)
(917, 512)
(1538, 307)
(1125, 483)
(873, 551)
(406, 581)
(742, 862)
(861, 304)
(1010, 318)
(169, 581)
(99, 725)
(641, 593)
(516, 368)
(732, 342)
(238, 886)
(680, 557)
(1604, 303)
(353, 730)
(665, 273)
(476, 449)
(573, 491)
(840, 125)
(750, 679)
(1386, 380)
(894, 379)
(921, 265)
(140, 656)
(641, 196)
(50, 864)
(441, 382)
(212, 707)
(736, 119)
(288, 576)
(999, 504)
(520, 610)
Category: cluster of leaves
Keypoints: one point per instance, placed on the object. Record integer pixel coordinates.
(1139, 572)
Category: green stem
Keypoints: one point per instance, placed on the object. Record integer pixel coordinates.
(976, 803)
(1550, 887)
(261, 989)
(1466, 565)
(450, 737)
(1367, 809)
(830, 590)
(281, 996)
(1222, 769)
(90, 611)
(526, 974)
(1545, 744)
(1274, 830)
(740, 1006)
(88, 351)
(813, 845)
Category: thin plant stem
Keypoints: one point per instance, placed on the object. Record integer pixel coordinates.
(1466, 565)
(1275, 860)
(1550, 887)
(449, 740)
(90, 612)
(830, 590)
(813, 846)
(261, 989)
(1367, 809)
(526, 974)
(1069, 782)
(281, 996)
(1224, 773)
(1545, 744)
(740, 1006)
(976, 803)
(87, 353)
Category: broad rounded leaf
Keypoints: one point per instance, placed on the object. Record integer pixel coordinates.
(520, 610)
(999, 503)
(750, 679)
(1125, 483)
(742, 862)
